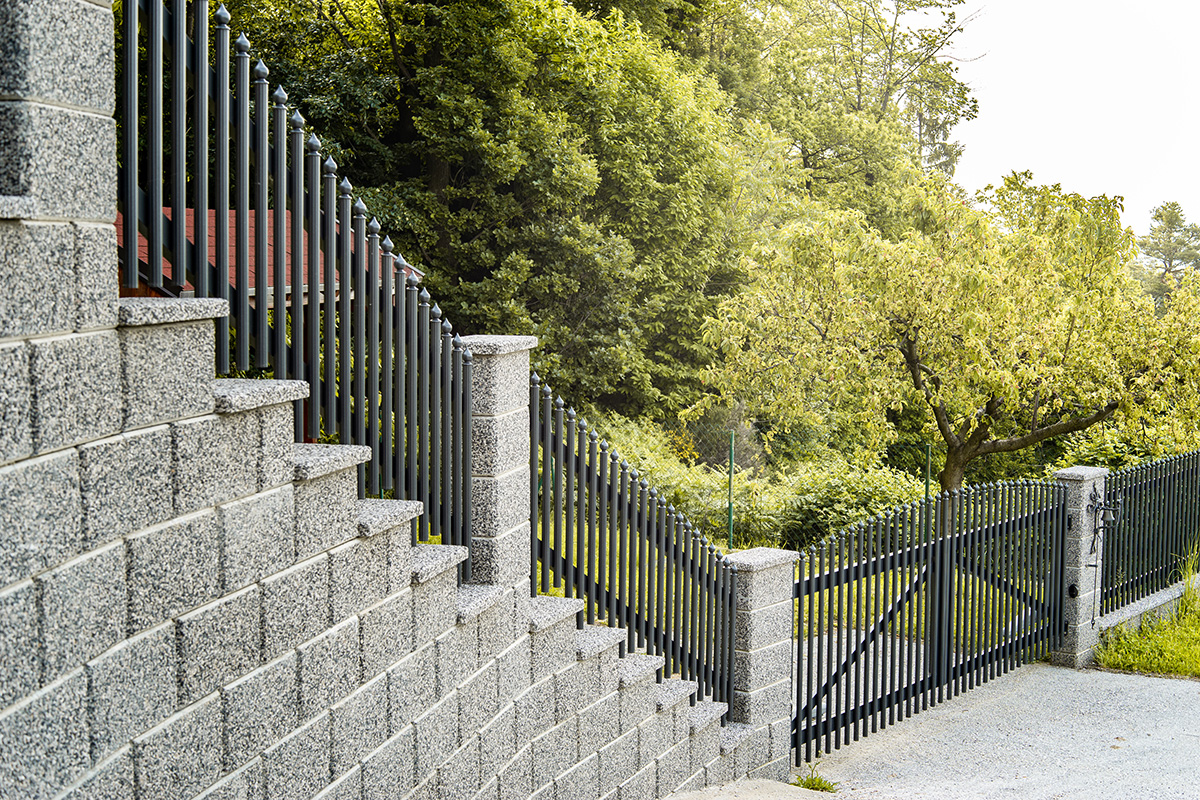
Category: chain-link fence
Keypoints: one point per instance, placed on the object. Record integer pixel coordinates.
(745, 485)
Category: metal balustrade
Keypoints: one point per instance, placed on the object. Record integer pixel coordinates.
(912, 607)
(224, 193)
(1157, 524)
(600, 533)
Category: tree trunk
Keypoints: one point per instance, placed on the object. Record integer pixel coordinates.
(955, 468)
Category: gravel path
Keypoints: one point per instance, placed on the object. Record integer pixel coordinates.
(1038, 732)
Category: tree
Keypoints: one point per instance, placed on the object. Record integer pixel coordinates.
(1173, 243)
(555, 174)
(1007, 326)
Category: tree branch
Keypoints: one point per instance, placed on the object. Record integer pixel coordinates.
(1057, 429)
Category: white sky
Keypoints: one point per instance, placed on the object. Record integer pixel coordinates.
(1098, 96)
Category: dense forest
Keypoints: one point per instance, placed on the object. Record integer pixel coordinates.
(740, 215)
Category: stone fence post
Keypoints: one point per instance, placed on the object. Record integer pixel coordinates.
(500, 460)
(763, 658)
(1083, 554)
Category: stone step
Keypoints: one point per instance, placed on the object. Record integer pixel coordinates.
(594, 640)
(705, 714)
(638, 668)
(376, 517)
(326, 494)
(431, 560)
(476, 599)
(312, 461)
(235, 395)
(545, 612)
(552, 632)
(167, 351)
(390, 521)
(673, 691)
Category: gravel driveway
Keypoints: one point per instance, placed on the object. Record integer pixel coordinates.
(1038, 732)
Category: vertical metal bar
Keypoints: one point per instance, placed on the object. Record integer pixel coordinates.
(804, 649)
(329, 241)
(643, 558)
(154, 144)
(262, 177)
(447, 424)
(387, 358)
(370, 398)
(456, 419)
(296, 367)
(582, 554)
(362, 296)
(424, 315)
(590, 568)
(535, 517)
(179, 141)
(855, 598)
(345, 293)
(129, 129)
(878, 608)
(627, 512)
(602, 489)
(732, 575)
(612, 573)
(412, 367)
(312, 350)
(560, 455)
(400, 382)
(568, 546)
(201, 162)
(279, 351)
(675, 528)
(434, 507)
(651, 584)
(468, 435)
(220, 181)
(242, 186)
(546, 524)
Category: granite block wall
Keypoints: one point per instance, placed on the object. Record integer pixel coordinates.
(195, 607)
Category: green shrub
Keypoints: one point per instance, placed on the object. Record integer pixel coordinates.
(778, 506)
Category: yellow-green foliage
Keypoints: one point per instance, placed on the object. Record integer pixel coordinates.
(781, 507)
(1169, 645)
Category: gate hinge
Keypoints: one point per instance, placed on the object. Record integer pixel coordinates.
(1070, 522)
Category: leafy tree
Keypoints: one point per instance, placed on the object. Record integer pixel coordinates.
(554, 173)
(1008, 326)
(1173, 243)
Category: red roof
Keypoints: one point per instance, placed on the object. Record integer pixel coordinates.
(144, 247)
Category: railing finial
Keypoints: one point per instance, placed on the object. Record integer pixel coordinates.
(313, 144)
(280, 95)
(242, 44)
(260, 71)
(373, 227)
(222, 16)
(330, 167)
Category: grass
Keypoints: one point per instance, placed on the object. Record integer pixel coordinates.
(1167, 645)
(815, 782)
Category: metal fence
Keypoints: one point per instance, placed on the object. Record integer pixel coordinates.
(1157, 524)
(901, 612)
(223, 193)
(600, 533)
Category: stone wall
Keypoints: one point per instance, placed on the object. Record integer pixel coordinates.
(194, 606)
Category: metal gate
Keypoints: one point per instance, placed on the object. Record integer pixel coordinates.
(910, 608)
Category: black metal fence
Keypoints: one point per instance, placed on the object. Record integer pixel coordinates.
(901, 612)
(1158, 524)
(601, 534)
(223, 193)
